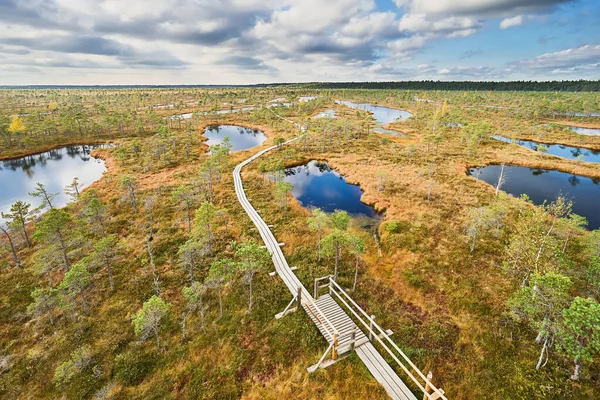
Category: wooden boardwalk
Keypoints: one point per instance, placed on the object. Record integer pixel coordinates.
(325, 311)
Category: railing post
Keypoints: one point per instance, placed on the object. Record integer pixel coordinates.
(330, 286)
(353, 338)
(427, 386)
(299, 297)
(334, 353)
(371, 328)
(316, 290)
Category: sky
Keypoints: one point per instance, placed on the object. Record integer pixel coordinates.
(135, 42)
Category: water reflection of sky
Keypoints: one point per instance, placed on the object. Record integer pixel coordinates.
(585, 131)
(55, 169)
(560, 150)
(241, 138)
(316, 185)
(326, 114)
(542, 185)
(382, 115)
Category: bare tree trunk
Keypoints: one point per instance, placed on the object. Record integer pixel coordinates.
(337, 257)
(12, 248)
(566, 242)
(25, 232)
(63, 249)
(189, 217)
(84, 303)
(154, 274)
(220, 302)
(250, 302)
(202, 320)
(544, 350)
(539, 253)
(319, 248)
(355, 275)
(575, 375)
(155, 328)
(184, 318)
(474, 240)
(110, 276)
(500, 180)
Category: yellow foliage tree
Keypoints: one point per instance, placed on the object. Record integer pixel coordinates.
(16, 125)
(52, 106)
(444, 108)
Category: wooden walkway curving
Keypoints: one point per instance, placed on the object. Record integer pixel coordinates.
(324, 311)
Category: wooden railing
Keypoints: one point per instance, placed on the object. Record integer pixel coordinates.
(375, 332)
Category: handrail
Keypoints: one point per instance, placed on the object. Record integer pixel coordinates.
(333, 328)
(332, 331)
(428, 383)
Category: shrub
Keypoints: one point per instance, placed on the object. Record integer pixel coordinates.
(133, 366)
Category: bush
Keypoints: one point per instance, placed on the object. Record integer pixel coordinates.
(133, 366)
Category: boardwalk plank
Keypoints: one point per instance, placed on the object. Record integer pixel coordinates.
(376, 364)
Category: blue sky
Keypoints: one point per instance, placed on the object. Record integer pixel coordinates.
(254, 41)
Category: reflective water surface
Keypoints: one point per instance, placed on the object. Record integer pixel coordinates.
(383, 115)
(545, 185)
(317, 185)
(585, 131)
(560, 150)
(326, 114)
(55, 169)
(241, 138)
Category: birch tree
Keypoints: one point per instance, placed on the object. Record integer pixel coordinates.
(191, 254)
(540, 305)
(253, 259)
(205, 224)
(45, 301)
(580, 332)
(281, 192)
(75, 284)
(357, 248)
(106, 252)
(194, 299)
(318, 222)
(148, 320)
(186, 199)
(130, 185)
(219, 276)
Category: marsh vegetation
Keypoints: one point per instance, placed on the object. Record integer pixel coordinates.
(151, 282)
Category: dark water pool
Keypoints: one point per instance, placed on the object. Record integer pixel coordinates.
(316, 185)
(55, 169)
(241, 138)
(560, 150)
(540, 185)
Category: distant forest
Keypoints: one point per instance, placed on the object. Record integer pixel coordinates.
(528, 86)
(525, 86)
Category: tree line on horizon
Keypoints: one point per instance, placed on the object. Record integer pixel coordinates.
(581, 85)
(527, 86)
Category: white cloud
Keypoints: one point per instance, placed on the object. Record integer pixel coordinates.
(581, 58)
(242, 41)
(481, 8)
(406, 45)
(510, 22)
